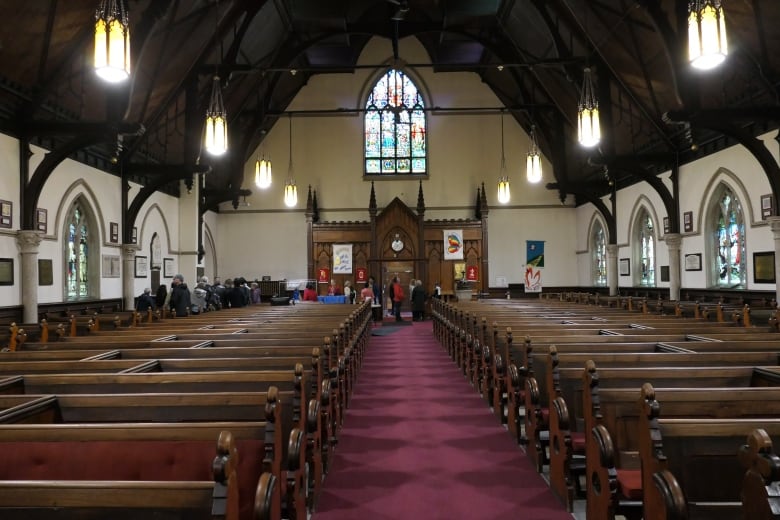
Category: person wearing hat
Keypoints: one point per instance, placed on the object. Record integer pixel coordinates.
(180, 296)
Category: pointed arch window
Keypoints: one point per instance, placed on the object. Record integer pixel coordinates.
(81, 275)
(645, 241)
(395, 127)
(598, 246)
(78, 253)
(727, 239)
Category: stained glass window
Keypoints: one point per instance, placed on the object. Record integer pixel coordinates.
(728, 239)
(646, 243)
(395, 127)
(599, 247)
(77, 244)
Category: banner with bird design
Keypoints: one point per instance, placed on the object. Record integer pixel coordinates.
(534, 263)
(453, 244)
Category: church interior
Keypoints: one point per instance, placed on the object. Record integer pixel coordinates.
(527, 161)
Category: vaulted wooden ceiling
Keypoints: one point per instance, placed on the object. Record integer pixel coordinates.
(656, 111)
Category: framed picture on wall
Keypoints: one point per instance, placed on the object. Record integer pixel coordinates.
(688, 221)
(6, 220)
(41, 220)
(114, 233)
(767, 208)
(168, 268)
(764, 267)
(693, 262)
(624, 266)
(110, 266)
(45, 272)
(141, 267)
(6, 271)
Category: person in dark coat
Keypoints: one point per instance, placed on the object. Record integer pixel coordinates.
(180, 296)
(418, 301)
(146, 301)
(162, 295)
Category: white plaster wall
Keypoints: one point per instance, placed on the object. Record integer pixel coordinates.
(9, 191)
(734, 166)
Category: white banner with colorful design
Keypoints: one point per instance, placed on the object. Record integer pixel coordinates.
(453, 244)
(342, 258)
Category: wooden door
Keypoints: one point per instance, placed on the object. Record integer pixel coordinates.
(405, 273)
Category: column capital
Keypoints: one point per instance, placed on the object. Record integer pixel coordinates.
(28, 240)
(612, 249)
(673, 240)
(774, 224)
(129, 250)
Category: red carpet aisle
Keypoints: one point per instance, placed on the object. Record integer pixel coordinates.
(419, 443)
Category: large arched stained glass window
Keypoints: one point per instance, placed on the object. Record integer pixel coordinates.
(727, 229)
(645, 240)
(395, 127)
(599, 259)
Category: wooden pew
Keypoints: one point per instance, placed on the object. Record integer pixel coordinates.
(132, 452)
(612, 416)
(181, 382)
(690, 467)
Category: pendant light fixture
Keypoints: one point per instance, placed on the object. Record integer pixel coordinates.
(215, 140)
(588, 127)
(290, 189)
(533, 166)
(503, 179)
(707, 45)
(112, 41)
(263, 173)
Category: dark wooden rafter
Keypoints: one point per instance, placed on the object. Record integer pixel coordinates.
(587, 194)
(642, 65)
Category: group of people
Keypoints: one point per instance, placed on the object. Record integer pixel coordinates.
(418, 298)
(235, 292)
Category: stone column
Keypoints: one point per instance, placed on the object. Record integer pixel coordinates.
(188, 232)
(612, 269)
(128, 275)
(774, 223)
(28, 242)
(673, 241)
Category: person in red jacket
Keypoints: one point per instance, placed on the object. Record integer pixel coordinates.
(309, 294)
(397, 292)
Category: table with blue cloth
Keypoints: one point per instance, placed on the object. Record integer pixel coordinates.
(332, 299)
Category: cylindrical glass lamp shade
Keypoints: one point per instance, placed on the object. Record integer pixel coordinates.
(588, 129)
(503, 190)
(290, 194)
(216, 134)
(263, 173)
(533, 167)
(112, 44)
(707, 44)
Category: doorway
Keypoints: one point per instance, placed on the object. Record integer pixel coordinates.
(405, 272)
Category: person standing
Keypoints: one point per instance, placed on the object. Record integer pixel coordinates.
(180, 296)
(397, 292)
(309, 294)
(418, 301)
(367, 294)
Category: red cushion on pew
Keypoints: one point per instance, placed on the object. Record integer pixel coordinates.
(630, 483)
(134, 460)
(578, 442)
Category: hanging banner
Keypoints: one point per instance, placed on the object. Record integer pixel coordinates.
(361, 275)
(472, 273)
(453, 244)
(342, 258)
(534, 263)
(323, 275)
